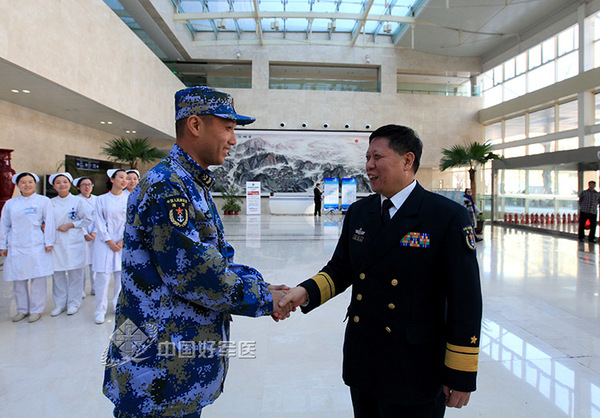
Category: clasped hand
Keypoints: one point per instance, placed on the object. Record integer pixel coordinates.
(286, 300)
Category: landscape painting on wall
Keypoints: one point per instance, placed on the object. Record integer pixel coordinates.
(293, 161)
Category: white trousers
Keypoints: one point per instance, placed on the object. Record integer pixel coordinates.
(101, 288)
(32, 300)
(91, 275)
(67, 291)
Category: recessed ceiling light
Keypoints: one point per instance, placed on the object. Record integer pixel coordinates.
(26, 91)
(102, 122)
(110, 123)
(128, 132)
(133, 132)
(15, 91)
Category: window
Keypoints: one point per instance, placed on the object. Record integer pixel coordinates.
(596, 39)
(213, 74)
(514, 152)
(514, 129)
(521, 61)
(542, 148)
(567, 66)
(567, 144)
(498, 78)
(551, 61)
(444, 84)
(541, 122)
(509, 69)
(323, 77)
(568, 40)
(515, 87)
(549, 50)
(493, 133)
(567, 116)
(541, 77)
(597, 97)
(535, 57)
(493, 96)
(487, 80)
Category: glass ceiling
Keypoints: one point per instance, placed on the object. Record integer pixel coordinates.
(381, 17)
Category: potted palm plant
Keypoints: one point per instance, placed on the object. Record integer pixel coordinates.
(132, 151)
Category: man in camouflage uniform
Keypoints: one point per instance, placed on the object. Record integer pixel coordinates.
(168, 353)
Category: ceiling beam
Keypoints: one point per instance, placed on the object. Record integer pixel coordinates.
(235, 21)
(360, 22)
(282, 41)
(184, 17)
(257, 16)
(212, 22)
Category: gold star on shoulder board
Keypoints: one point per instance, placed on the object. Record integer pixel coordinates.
(473, 340)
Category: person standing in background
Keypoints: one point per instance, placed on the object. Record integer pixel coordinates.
(110, 224)
(318, 194)
(588, 211)
(71, 216)
(27, 235)
(133, 178)
(469, 204)
(85, 187)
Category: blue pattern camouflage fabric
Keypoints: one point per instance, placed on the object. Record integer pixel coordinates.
(179, 289)
(206, 101)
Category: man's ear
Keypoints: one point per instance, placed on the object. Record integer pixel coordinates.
(195, 125)
(409, 159)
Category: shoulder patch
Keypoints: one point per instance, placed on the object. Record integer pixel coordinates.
(469, 236)
(178, 208)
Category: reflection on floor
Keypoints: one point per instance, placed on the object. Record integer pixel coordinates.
(540, 341)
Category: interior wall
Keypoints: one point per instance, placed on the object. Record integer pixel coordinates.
(40, 141)
(85, 47)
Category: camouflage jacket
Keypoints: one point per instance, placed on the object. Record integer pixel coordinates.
(168, 353)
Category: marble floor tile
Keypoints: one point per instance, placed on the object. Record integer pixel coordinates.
(540, 344)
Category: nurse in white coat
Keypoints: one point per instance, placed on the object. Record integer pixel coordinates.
(85, 187)
(111, 208)
(133, 178)
(26, 239)
(71, 216)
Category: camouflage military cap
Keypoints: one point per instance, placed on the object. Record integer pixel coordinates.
(207, 101)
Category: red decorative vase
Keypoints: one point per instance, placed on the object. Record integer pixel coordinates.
(6, 172)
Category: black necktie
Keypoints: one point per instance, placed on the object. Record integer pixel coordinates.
(385, 210)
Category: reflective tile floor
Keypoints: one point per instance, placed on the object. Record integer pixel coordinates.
(540, 340)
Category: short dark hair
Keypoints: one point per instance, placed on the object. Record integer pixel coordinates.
(180, 124)
(402, 140)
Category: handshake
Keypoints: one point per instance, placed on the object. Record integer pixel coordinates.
(286, 300)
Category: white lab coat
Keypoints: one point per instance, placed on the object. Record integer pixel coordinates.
(91, 207)
(21, 234)
(69, 247)
(110, 225)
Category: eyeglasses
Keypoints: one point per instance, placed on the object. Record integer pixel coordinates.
(86, 185)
